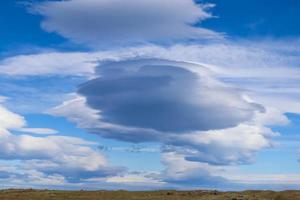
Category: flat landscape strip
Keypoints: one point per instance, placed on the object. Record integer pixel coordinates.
(30, 194)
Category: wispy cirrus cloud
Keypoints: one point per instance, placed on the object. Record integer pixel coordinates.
(39, 131)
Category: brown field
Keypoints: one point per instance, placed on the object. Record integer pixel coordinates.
(155, 195)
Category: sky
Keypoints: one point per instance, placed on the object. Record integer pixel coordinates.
(150, 94)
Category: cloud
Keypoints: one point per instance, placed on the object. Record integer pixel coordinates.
(69, 157)
(236, 61)
(267, 179)
(226, 178)
(204, 125)
(39, 131)
(270, 77)
(8, 119)
(48, 63)
(180, 172)
(161, 96)
(13, 176)
(13, 121)
(77, 112)
(232, 146)
(132, 179)
(131, 149)
(118, 22)
(206, 121)
(267, 69)
(164, 96)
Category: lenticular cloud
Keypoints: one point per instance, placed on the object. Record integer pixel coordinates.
(178, 104)
(164, 96)
(113, 22)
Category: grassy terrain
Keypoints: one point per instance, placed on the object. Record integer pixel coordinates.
(156, 195)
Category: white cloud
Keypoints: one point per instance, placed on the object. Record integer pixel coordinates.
(181, 172)
(118, 22)
(10, 120)
(39, 131)
(238, 60)
(76, 64)
(70, 157)
(265, 179)
(64, 156)
(77, 112)
(16, 177)
(272, 116)
(230, 146)
(135, 179)
(13, 121)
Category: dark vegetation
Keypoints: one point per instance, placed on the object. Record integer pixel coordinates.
(30, 194)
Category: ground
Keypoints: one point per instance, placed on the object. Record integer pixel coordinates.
(155, 195)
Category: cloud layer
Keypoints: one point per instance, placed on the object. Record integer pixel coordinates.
(205, 147)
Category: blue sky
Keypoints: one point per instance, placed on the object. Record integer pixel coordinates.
(21, 29)
(256, 18)
(150, 94)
